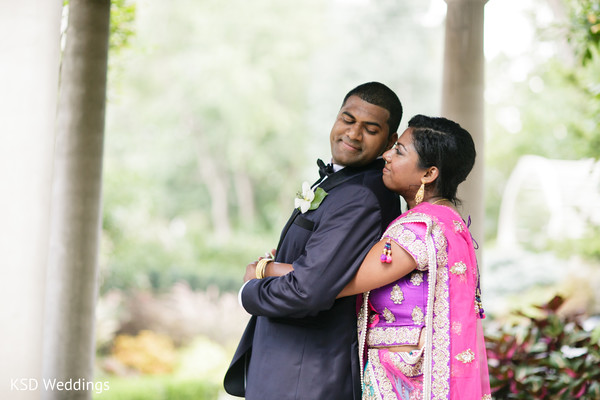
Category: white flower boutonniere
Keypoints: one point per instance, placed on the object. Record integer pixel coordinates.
(309, 199)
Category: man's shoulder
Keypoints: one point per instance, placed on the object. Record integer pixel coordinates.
(371, 179)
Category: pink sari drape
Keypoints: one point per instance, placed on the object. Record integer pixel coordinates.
(454, 363)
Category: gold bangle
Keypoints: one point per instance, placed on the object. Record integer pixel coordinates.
(261, 267)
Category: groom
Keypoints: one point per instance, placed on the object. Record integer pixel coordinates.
(301, 343)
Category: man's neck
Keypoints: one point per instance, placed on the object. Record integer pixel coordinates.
(338, 167)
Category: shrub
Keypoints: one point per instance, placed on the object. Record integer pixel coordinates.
(550, 356)
(161, 388)
(148, 352)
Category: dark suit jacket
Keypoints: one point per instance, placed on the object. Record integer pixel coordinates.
(301, 343)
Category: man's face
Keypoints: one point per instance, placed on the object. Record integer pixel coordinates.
(360, 133)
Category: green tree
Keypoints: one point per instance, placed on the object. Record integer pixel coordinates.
(584, 28)
(555, 111)
(217, 111)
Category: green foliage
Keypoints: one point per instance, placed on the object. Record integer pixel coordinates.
(549, 356)
(122, 17)
(584, 31)
(146, 260)
(587, 246)
(147, 352)
(153, 388)
(217, 112)
(554, 112)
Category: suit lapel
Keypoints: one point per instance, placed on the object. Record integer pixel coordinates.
(329, 183)
(347, 173)
(286, 228)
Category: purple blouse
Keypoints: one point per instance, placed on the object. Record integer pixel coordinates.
(399, 308)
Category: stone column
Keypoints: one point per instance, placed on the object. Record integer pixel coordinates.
(69, 345)
(30, 49)
(462, 95)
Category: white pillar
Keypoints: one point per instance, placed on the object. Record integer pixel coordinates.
(462, 95)
(30, 48)
(71, 291)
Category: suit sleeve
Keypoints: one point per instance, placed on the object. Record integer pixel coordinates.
(350, 225)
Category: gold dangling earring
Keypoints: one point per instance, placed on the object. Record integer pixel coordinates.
(420, 193)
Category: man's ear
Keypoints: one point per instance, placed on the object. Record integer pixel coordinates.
(391, 140)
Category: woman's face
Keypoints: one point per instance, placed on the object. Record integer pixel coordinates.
(401, 173)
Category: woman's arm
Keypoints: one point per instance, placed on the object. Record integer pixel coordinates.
(373, 273)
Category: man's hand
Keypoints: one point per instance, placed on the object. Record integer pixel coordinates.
(250, 271)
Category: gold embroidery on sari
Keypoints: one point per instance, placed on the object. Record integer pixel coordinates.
(440, 373)
(388, 315)
(409, 241)
(417, 315)
(397, 296)
(370, 391)
(456, 328)
(439, 240)
(379, 336)
(406, 368)
(436, 378)
(361, 315)
(383, 384)
(373, 319)
(466, 356)
(442, 259)
(459, 268)
(458, 226)
(416, 278)
(419, 249)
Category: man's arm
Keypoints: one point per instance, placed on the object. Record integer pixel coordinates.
(350, 225)
(272, 269)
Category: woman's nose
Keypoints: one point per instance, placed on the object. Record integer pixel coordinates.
(387, 156)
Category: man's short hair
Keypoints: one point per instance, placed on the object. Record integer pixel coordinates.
(380, 95)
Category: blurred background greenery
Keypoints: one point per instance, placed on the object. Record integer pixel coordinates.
(217, 111)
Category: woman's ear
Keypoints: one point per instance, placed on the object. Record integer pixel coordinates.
(431, 174)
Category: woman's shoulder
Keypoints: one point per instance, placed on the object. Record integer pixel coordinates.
(413, 217)
(431, 215)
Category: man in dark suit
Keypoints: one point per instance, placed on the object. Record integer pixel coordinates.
(301, 343)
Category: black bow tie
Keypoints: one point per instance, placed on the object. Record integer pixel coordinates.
(324, 169)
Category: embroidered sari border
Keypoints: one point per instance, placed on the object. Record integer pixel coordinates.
(393, 335)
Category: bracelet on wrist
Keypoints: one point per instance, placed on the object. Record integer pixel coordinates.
(261, 267)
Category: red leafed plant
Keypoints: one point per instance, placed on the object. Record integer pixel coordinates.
(549, 356)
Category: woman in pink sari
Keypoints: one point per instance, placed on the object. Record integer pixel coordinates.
(419, 324)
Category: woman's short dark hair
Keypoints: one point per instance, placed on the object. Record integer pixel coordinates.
(380, 95)
(445, 144)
